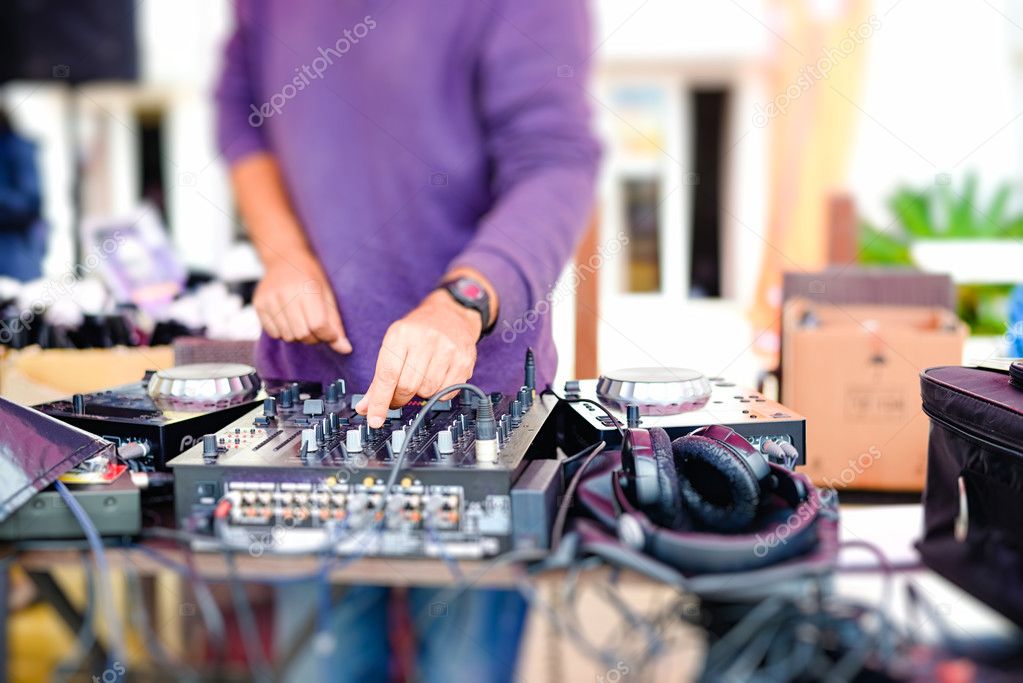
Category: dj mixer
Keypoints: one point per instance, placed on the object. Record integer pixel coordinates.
(301, 471)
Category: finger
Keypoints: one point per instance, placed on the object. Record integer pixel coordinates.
(458, 373)
(436, 376)
(278, 315)
(341, 343)
(314, 311)
(381, 390)
(297, 325)
(412, 376)
(266, 321)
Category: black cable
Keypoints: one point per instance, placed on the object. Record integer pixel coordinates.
(455, 590)
(399, 457)
(252, 642)
(558, 529)
(212, 617)
(140, 616)
(323, 609)
(105, 594)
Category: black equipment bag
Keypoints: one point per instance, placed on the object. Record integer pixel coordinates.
(973, 500)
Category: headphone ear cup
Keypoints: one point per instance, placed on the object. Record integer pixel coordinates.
(716, 487)
(668, 511)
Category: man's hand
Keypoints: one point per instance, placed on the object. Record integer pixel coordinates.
(294, 302)
(432, 347)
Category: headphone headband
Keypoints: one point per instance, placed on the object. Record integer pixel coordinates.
(633, 493)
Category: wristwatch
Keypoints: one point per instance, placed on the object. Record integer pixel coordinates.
(471, 294)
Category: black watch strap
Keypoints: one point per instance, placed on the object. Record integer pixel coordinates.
(472, 294)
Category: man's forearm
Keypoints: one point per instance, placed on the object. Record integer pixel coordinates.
(266, 210)
(294, 300)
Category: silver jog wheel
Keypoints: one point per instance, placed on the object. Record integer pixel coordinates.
(656, 390)
(205, 383)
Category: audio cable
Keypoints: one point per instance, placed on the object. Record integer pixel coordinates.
(105, 594)
(486, 431)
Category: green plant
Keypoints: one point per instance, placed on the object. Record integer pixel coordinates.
(938, 212)
(985, 308)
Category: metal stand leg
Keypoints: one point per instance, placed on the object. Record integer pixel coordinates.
(51, 592)
(5, 592)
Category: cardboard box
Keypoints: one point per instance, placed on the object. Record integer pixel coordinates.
(853, 371)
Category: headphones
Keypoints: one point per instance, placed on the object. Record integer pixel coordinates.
(710, 502)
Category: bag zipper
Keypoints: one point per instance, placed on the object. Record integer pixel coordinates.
(961, 525)
(990, 442)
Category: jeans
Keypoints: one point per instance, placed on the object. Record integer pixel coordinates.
(473, 638)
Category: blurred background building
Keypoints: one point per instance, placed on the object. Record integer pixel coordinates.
(738, 135)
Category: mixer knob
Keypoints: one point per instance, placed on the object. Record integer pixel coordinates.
(269, 407)
(523, 398)
(312, 407)
(209, 445)
(397, 440)
(632, 415)
(286, 401)
(516, 413)
(311, 439)
(353, 441)
(78, 404)
(333, 421)
(445, 442)
(331, 393)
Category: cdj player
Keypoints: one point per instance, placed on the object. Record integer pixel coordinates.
(679, 401)
(301, 472)
(166, 412)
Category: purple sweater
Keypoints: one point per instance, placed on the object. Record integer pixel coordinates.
(415, 136)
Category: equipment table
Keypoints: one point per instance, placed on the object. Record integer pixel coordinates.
(858, 578)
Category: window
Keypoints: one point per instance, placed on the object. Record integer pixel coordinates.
(709, 111)
(150, 165)
(642, 200)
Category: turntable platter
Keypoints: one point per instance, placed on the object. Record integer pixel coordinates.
(205, 382)
(656, 390)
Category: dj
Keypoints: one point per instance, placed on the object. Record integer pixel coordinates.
(413, 179)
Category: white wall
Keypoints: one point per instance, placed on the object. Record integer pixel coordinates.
(676, 46)
(942, 96)
(944, 87)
